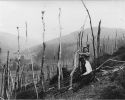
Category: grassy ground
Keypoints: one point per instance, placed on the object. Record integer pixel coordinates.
(110, 85)
(93, 90)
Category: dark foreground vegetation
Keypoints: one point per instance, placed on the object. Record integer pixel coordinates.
(108, 84)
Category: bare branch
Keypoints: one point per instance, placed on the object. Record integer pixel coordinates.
(91, 28)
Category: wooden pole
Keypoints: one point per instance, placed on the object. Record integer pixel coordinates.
(43, 53)
(6, 85)
(98, 39)
(82, 32)
(116, 41)
(87, 42)
(81, 39)
(48, 73)
(31, 63)
(77, 43)
(108, 45)
(34, 79)
(60, 52)
(78, 40)
(2, 80)
(18, 67)
(26, 31)
(104, 48)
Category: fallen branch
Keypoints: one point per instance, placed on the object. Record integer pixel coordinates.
(108, 67)
(107, 61)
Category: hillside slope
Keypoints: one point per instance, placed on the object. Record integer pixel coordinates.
(69, 43)
(110, 83)
(8, 41)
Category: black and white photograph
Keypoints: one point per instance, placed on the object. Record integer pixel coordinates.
(62, 49)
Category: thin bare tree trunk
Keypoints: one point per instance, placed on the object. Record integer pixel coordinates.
(43, 53)
(91, 29)
(48, 73)
(82, 32)
(75, 66)
(26, 31)
(87, 42)
(77, 43)
(9, 80)
(60, 53)
(116, 41)
(2, 83)
(98, 42)
(31, 63)
(81, 39)
(12, 81)
(5, 95)
(98, 39)
(34, 79)
(18, 67)
(104, 48)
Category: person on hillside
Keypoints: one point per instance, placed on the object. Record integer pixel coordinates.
(84, 65)
(84, 61)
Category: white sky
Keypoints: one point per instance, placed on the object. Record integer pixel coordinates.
(15, 13)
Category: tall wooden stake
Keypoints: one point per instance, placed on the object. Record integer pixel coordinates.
(2, 80)
(87, 42)
(81, 39)
(26, 31)
(31, 63)
(98, 39)
(98, 43)
(18, 67)
(43, 53)
(116, 41)
(59, 60)
(104, 48)
(6, 84)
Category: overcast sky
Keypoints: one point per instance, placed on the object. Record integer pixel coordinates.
(15, 13)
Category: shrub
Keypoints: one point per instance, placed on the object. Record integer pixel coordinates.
(98, 61)
(66, 74)
(26, 95)
(121, 50)
(113, 77)
(35, 67)
(112, 92)
(121, 78)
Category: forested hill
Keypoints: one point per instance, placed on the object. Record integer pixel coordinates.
(69, 43)
(8, 41)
